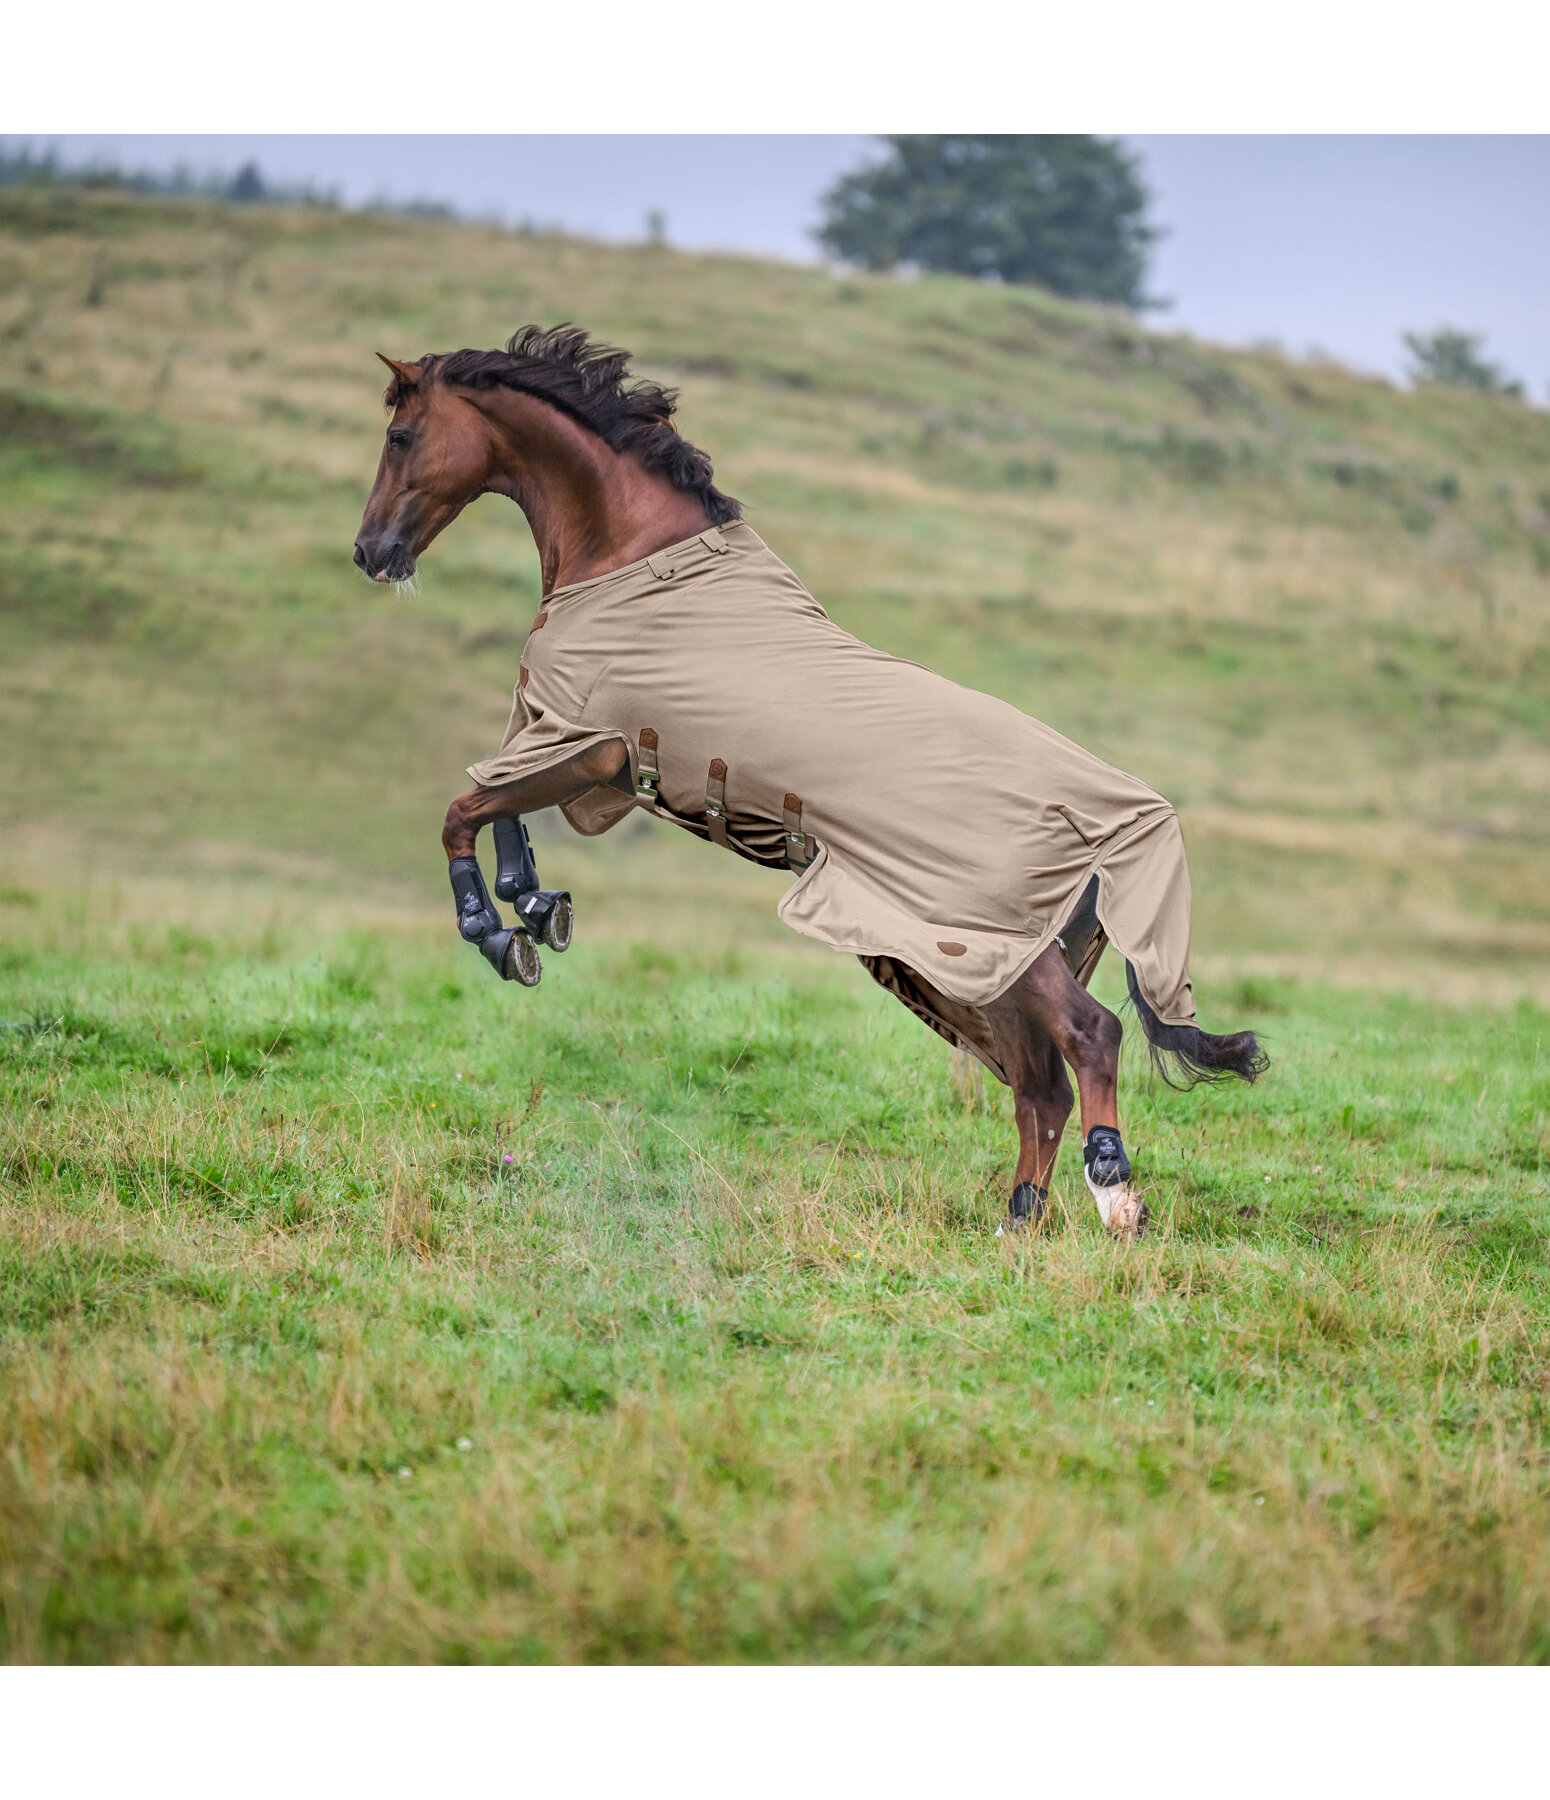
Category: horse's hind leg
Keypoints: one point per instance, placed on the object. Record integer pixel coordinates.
(1047, 1004)
(1041, 1102)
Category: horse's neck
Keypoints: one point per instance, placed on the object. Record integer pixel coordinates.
(589, 508)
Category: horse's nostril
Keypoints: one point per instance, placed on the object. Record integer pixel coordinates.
(360, 556)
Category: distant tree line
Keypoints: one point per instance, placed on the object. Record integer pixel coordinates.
(27, 168)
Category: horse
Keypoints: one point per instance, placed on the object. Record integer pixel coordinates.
(976, 861)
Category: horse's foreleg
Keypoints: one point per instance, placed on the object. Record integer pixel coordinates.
(513, 953)
(467, 816)
(1047, 1000)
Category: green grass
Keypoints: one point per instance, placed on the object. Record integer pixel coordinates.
(725, 1363)
(356, 1307)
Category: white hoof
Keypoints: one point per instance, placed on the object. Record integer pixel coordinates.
(1121, 1208)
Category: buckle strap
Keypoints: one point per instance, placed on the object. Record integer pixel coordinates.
(799, 847)
(648, 777)
(716, 802)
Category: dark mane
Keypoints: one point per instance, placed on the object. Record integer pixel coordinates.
(561, 365)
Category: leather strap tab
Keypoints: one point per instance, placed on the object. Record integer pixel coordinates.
(539, 623)
(716, 802)
(799, 850)
(522, 676)
(648, 778)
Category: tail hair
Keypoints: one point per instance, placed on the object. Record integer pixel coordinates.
(1184, 1054)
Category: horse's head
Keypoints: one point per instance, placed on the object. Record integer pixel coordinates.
(436, 459)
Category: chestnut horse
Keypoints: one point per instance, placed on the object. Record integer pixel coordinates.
(605, 480)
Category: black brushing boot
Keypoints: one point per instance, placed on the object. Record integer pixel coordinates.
(1025, 1209)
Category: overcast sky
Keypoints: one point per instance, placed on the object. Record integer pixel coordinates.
(1335, 244)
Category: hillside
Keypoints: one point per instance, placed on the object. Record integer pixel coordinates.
(1313, 609)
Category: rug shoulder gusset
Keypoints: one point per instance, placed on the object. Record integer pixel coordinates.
(598, 810)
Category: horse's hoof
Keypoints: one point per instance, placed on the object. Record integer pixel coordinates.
(522, 962)
(560, 923)
(1126, 1214)
(1121, 1209)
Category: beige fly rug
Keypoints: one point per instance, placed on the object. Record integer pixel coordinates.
(941, 835)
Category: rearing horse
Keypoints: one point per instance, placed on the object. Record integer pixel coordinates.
(976, 861)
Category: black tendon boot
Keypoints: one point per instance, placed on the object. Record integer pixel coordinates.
(1026, 1208)
(1107, 1171)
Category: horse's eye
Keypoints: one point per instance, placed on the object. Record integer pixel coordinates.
(398, 439)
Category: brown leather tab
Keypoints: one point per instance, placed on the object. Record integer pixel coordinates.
(716, 802)
(522, 676)
(647, 776)
(799, 847)
(539, 623)
(952, 949)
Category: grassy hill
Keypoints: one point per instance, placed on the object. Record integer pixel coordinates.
(1312, 609)
(354, 1307)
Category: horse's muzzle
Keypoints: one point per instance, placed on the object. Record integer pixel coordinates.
(384, 561)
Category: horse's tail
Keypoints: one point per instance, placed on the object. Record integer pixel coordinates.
(1184, 1054)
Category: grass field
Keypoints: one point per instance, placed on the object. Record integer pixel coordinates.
(355, 1307)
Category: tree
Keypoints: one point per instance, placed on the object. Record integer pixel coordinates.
(1448, 358)
(248, 184)
(1061, 212)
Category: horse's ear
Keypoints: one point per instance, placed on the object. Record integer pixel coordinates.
(408, 373)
